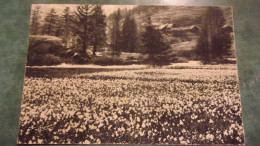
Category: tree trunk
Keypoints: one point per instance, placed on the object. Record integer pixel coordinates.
(84, 48)
(210, 55)
(94, 49)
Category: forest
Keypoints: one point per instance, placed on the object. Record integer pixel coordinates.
(86, 35)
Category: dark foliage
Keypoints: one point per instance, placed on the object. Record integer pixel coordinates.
(129, 34)
(51, 23)
(81, 27)
(35, 21)
(115, 33)
(97, 28)
(65, 22)
(154, 46)
(215, 41)
(44, 50)
(106, 60)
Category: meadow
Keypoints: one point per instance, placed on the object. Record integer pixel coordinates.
(170, 105)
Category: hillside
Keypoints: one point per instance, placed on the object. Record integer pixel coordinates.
(179, 15)
(182, 20)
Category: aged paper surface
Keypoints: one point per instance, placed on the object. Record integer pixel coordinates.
(114, 74)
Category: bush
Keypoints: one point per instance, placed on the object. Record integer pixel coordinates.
(46, 59)
(187, 54)
(50, 59)
(44, 50)
(182, 60)
(78, 59)
(156, 60)
(106, 60)
(45, 44)
(225, 61)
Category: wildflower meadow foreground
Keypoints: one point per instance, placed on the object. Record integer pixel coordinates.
(174, 105)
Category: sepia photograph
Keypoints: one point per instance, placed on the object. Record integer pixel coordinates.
(131, 74)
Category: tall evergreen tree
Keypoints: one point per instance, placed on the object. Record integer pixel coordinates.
(115, 33)
(81, 26)
(50, 23)
(66, 17)
(59, 27)
(98, 28)
(129, 34)
(35, 20)
(214, 41)
(154, 46)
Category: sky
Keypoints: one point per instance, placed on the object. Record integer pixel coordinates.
(108, 9)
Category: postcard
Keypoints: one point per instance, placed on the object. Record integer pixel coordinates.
(131, 74)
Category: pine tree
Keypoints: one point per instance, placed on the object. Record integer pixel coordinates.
(50, 23)
(133, 42)
(81, 27)
(154, 46)
(66, 17)
(59, 27)
(129, 34)
(115, 33)
(98, 28)
(35, 21)
(214, 41)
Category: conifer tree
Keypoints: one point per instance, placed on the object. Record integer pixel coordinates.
(97, 28)
(59, 27)
(81, 27)
(129, 34)
(66, 17)
(50, 23)
(214, 42)
(115, 33)
(154, 46)
(35, 21)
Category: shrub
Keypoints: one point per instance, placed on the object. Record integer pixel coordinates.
(46, 59)
(225, 61)
(155, 60)
(78, 59)
(45, 44)
(187, 54)
(50, 59)
(182, 60)
(106, 60)
(44, 50)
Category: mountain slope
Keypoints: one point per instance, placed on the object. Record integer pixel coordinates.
(181, 17)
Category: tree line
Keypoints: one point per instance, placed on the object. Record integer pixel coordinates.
(90, 29)
(86, 25)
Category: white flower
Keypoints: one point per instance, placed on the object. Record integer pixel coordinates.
(210, 137)
(181, 138)
(92, 127)
(91, 137)
(226, 133)
(141, 133)
(86, 142)
(181, 123)
(98, 141)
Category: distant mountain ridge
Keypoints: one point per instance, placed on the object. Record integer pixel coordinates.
(179, 15)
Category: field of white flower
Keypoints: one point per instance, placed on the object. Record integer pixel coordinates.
(148, 106)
